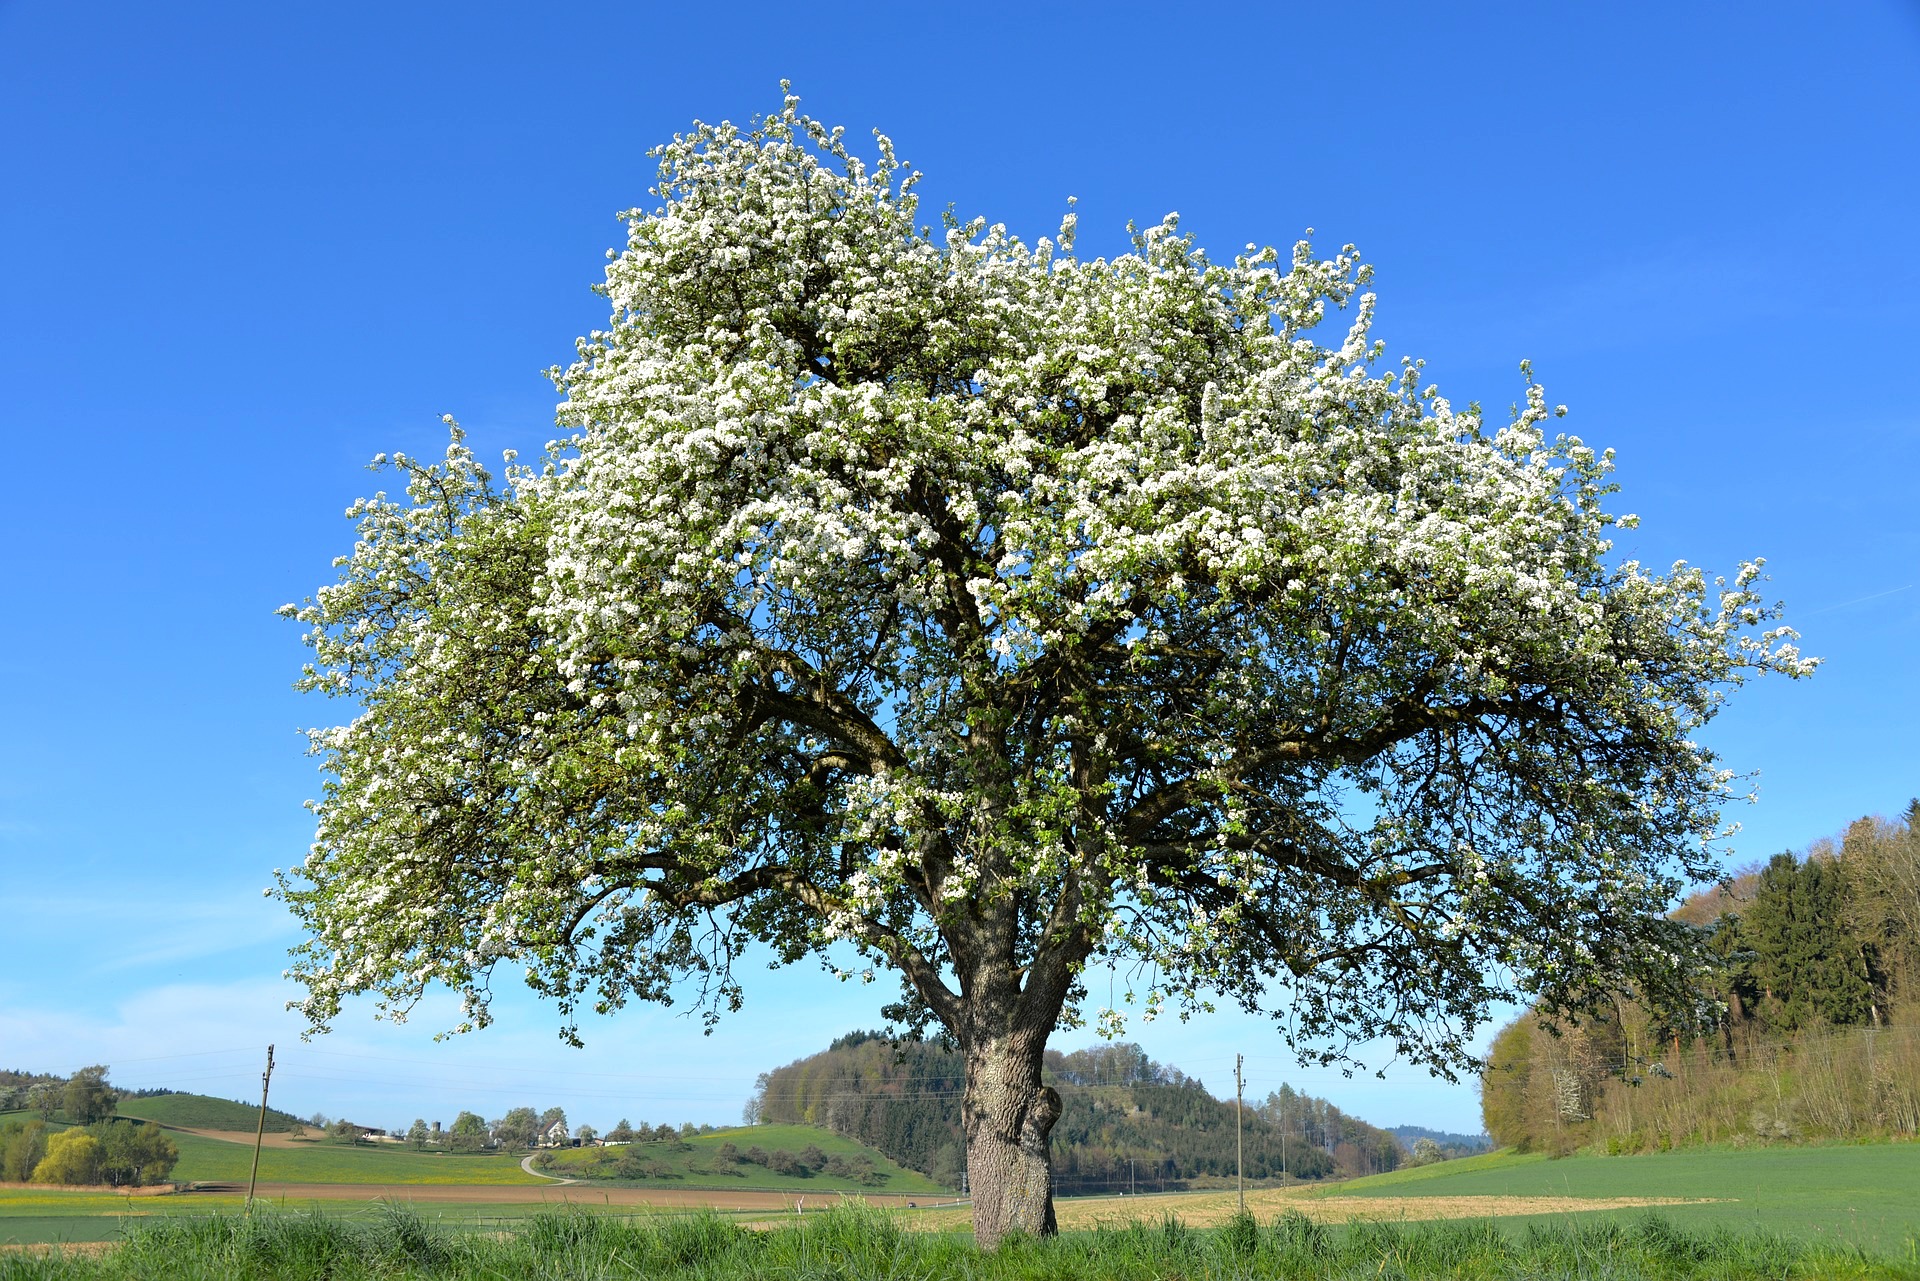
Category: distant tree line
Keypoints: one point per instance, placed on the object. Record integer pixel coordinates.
(17, 1086)
(726, 1161)
(87, 1146)
(520, 1128)
(83, 1098)
(1126, 1120)
(118, 1153)
(626, 1132)
(1810, 1026)
(121, 1153)
(1446, 1146)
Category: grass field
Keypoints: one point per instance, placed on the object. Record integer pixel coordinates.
(56, 1214)
(1866, 1194)
(215, 1160)
(852, 1244)
(37, 1216)
(209, 1160)
(1830, 1198)
(696, 1161)
(203, 1112)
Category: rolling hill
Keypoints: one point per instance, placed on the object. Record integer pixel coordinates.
(1127, 1122)
(203, 1112)
(215, 1160)
(205, 1159)
(795, 1158)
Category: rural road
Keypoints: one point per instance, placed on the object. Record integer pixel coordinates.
(526, 1163)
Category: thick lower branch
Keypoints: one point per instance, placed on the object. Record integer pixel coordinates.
(1405, 720)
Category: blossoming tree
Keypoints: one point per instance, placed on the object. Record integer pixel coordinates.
(981, 612)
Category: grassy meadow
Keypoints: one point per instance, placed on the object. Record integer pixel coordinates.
(1864, 1194)
(60, 1216)
(205, 1160)
(1783, 1211)
(204, 1112)
(209, 1160)
(856, 1244)
(696, 1161)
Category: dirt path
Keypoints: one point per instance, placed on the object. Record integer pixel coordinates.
(526, 1163)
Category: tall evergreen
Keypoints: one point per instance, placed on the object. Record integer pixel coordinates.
(1804, 962)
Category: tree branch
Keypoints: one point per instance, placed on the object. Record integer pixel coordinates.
(1407, 719)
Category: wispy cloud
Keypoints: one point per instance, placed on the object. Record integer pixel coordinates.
(135, 928)
(1858, 600)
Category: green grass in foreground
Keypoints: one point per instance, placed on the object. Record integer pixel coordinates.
(854, 1245)
(696, 1162)
(36, 1217)
(1861, 1194)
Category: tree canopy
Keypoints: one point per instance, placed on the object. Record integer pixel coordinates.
(980, 611)
(87, 1097)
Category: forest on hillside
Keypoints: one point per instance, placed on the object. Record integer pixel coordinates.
(1126, 1121)
(1811, 1024)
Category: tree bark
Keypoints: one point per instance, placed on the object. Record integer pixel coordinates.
(1008, 1116)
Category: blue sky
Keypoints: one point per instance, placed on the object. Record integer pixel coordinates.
(245, 248)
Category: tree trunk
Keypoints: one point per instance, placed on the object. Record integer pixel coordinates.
(1008, 1116)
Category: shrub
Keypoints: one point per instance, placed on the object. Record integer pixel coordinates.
(73, 1156)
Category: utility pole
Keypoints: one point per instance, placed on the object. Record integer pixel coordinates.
(1239, 1152)
(1283, 1135)
(260, 1134)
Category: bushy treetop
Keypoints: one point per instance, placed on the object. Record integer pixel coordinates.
(991, 610)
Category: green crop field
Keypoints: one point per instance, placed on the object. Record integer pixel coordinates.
(42, 1215)
(205, 1160)
(202, 1112)
(696, 1161)
(1865, 1194)
(32, 1215)
(208, 1160)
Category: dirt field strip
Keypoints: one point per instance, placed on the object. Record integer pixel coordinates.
(1210, 1209)
(568, 1194)
(270, 1139)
